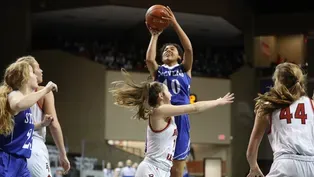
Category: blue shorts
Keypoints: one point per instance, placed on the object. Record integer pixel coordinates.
(13, 166)
(182, 150)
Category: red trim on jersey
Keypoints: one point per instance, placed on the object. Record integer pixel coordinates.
(40, 106)
(270, 123)
(159, 131)
(311, 103)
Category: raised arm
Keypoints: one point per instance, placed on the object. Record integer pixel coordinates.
(260, 126)
(169, 110)
(19, 102)
(185, 41)
(151, 52)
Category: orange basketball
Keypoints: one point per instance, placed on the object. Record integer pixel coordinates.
(154, 17)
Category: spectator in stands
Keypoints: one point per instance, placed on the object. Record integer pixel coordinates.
(213, 62)
(128, 65)
(109, 59)
(120, 60)
(135, 165)
(59, 172)
(117, 170)
(108, 172)
(128, 170)
(99, 58)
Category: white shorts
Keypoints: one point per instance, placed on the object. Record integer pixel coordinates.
(38, 164)
(146, 169)
(292, 166)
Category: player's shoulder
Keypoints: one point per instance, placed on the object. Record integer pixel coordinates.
(305, 100)
(15, 92)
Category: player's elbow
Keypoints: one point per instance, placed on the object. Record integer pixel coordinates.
(19, 106)
(55, 126)
(149, 60)
(188, 50)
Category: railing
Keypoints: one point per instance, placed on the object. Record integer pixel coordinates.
(133, 150)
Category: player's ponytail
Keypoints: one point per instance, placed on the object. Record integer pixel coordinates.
(129, 94)
(289, 86)
(6, 120)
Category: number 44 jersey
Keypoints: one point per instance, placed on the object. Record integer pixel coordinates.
(292, 129)
(177, 81)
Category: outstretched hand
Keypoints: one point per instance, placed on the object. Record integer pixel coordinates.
(227, 99)
(169, 15)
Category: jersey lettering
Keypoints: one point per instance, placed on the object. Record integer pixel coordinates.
(28, 142)
(299, 113)
(170, 157)
(29, 118)
(177, 81)
(285, 114)
(174, 85)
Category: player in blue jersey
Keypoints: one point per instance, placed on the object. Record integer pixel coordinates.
(178, 78)
(16, 121)
(38, 163)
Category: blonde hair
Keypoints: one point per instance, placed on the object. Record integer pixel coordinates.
(28, 59)
(141, 96)
(289, 86)
(16, 75)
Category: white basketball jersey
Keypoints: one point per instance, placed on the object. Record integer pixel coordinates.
(292, 129)
(160, 145)
(38, 117)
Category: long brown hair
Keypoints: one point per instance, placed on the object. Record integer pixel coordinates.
(142, 96)
(289, 86)
(16, 75)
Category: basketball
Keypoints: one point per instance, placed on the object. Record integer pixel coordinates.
(154, 17)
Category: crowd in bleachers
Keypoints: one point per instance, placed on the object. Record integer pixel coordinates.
(211, 62)
(267, 72)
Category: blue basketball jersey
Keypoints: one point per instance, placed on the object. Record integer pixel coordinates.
(177, 81)
(19, 142)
